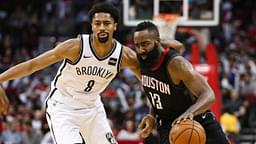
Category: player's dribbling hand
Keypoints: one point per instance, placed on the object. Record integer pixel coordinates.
(146, 125)
(4, 102)
(184, 116)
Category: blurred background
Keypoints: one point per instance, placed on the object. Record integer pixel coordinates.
(225, 53)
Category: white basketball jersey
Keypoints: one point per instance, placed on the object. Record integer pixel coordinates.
(80, 83)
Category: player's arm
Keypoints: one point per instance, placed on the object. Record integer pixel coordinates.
(66, 50)
(129, 60)
(181, 70)
(4, 102)
(173, 44)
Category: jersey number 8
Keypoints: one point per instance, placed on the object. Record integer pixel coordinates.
(90, 84)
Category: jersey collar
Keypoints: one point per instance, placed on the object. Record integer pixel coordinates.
(161, 60)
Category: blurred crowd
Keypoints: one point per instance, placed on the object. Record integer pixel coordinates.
(28, 28)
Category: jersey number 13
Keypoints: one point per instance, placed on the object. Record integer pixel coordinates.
(155, 99)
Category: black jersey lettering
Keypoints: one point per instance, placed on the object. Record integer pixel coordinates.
(94, 71)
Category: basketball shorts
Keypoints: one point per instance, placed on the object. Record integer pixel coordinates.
(214, 132)
(78, 126)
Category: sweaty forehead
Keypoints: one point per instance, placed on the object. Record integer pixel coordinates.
(102, 16)
(143, 35)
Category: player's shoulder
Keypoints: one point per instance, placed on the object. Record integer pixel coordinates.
(129, 57)
(178, 59)
(127, 50)
(69, 46)
(71, 41)
(179, 63)
(128, 53)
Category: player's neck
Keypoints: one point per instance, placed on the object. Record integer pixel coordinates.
(161, 53)
(102, 49)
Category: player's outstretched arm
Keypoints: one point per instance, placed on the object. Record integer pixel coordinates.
(181, 70)
(129, 60)
(65, 50)
(4, 102)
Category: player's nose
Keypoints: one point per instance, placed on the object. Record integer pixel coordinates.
(141, 50)
(102, 27)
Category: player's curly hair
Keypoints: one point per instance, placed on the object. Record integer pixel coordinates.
(147, 25)
(104, 7)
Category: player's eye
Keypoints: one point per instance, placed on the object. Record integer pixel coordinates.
(144, 44)
(107, 23)
(97, 23)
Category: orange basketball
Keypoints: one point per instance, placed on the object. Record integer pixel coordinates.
(187, 132)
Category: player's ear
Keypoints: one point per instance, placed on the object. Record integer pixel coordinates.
(157, 41)
(92, 26)
(157, 38)
(115, 26)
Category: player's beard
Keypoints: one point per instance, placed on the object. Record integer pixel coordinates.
(103, 39)
(151, 59)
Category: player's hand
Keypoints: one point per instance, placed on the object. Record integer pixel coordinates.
(147, 125)
(178, 46)
(4, 102)
(183, 117)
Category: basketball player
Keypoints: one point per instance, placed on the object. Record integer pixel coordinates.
(74, 111)
(175, 90)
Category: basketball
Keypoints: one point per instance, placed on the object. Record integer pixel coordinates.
(187, 132)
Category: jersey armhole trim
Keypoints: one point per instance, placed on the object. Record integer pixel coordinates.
(120, 59)
(177, 86)
(80, 54)
(59, 74)
(48, 97)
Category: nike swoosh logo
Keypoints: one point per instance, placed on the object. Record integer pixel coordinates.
(87, 56)
(204, 116)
